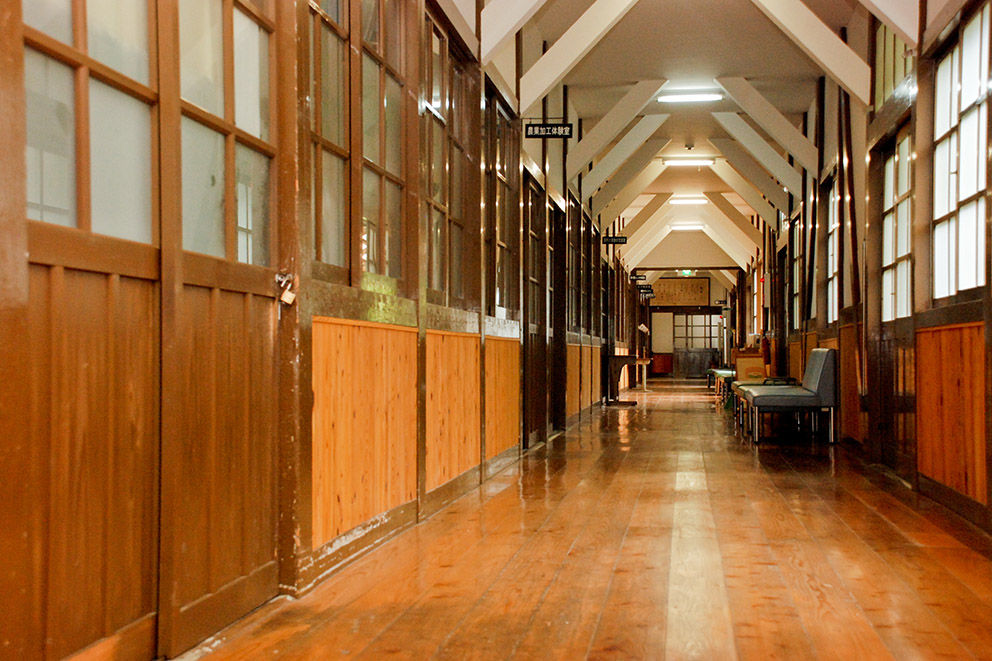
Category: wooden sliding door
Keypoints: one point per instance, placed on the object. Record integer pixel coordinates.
(535, 314)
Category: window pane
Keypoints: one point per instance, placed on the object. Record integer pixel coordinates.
(332, 8)
(942, 246)
(437, 161)
(902, 289)
(370, 22)
(888, 294)
(971, 43)
(457, 287)
(394, 32)
(371, 102)
(251, 194)
(904, 162)
(53, 17)
(942, 96)
(370, 220)
(333, 221)
(121, 164)
(251, 76)
(394, 236)
(203, 189)
(457, 202)
(889, 196)
(117, 33)
(902, 228)
(968, 167)
(394, 131)
(202, 56)
(437, 77)
(888, 239)
(51, 140)
(332, 87)
(980, 240)
(967, 248)
(437, 249)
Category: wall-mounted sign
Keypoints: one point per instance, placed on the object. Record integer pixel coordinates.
(645, 289)
(681, 291)
(547, 130)
(638, 277)
(614, 240)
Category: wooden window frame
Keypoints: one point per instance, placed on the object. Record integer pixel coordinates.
(903, 135)
(889, 68)
(834, 254)
(502, 203)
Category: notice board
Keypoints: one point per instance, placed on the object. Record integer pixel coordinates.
(681, 291)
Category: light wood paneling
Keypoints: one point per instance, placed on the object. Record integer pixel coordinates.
(597, 374)
(950, 414)
(796, 360)
(502, 395)
(364, 423)
(453, 406)
(573, 381)
(851, 418)
(585, 398)
(94, 342)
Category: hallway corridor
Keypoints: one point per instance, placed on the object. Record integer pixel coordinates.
(648, 533)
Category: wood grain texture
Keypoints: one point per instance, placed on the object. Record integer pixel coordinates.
(654, 533)
(502, 395)
(852, 422)
(796, 360)
(585, 396)
(573, 379)
(364, 424)
(596, 371)
(950, 414)
(453, 406)
(95, 410)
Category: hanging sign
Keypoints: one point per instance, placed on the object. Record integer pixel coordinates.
(614, 240)
(639, 277)
(548, 130)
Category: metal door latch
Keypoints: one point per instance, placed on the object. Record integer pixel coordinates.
(285, 283)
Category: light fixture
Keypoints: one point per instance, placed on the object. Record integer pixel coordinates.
(694, 162)
(687, 227)
(694, 97)
(688, 200)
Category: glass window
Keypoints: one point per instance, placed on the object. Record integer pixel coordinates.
(896, 224)
(51, 140)
(117, 35)
(332, 216)
(833, 254)
(201, 50)
(959, 162)
(893, 61)
(121, 164)
(53, 17)
(251, 76)
(203, 189)
(251, 176)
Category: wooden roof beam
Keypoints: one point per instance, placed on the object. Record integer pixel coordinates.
(751, 170)
(633, 140)
(502, 20)
(746, 191)
(764, 153)
(901, 16)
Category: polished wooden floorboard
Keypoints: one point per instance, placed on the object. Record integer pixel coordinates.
(654, 532)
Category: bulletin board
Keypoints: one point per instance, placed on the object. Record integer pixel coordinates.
(681, 291)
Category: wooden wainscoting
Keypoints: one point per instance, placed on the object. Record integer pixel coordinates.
(950, 414)
(796, 360)
(364, 423)
(597, 374)
(853, 423)
(585, 398)
(573, 380)
(502, 395)
(453, 406)
(94, 340)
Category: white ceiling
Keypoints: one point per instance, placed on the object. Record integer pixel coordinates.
(690, 42)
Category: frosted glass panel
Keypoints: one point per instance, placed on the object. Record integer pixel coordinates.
(942, 247)
(334, 238)
(902, 289)
(888, 295)
(53, 17)
(967, 255)
(118, 35)
(889, 196)
(251, 197)
(370, 21)
(394, 236)
(370, 220)
(371, 102)
(251, 76)
(904, 161)
(394, 135)
(202, 55)
(51, 140)
(888, 239)
(332, 87)
(971, 44)
(203, 189)
(942, 196)
(942, 95)
(121, 164)
(968, 169)
(902, 228)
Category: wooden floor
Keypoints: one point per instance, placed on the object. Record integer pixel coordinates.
(651, 533)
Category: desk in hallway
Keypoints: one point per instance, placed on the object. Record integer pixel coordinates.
(653, 532)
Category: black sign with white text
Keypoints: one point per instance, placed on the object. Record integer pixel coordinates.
(614, 240)
(548, 130)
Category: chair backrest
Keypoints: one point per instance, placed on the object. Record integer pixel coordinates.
(750, 368)
(821, 375)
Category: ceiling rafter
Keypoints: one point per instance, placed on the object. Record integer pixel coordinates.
(628, 144)
(765, 154)
(901, 16)
(751, 170)
(747, 191)
(730, 212)
(502, 20)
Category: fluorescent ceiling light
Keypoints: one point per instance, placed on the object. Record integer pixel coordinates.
(697, 162)
(695, 97)
(688, 200)
(687, 227)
